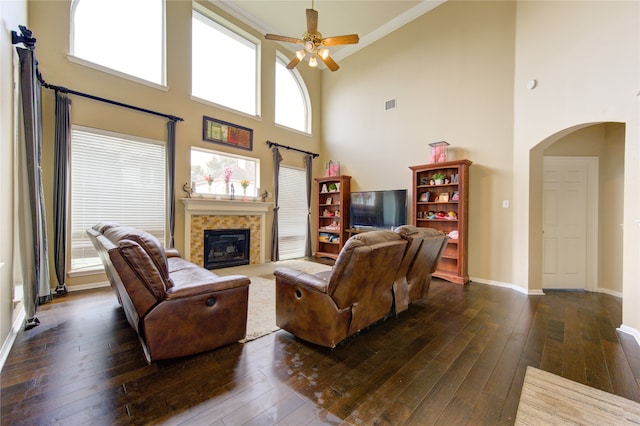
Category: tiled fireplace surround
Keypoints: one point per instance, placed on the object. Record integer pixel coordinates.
(209, 213)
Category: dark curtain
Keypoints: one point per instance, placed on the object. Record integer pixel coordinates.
(32, 232)
(171, 179)
(61, 187)
(275, 249)
(308, 159)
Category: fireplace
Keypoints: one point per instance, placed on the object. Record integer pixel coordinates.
(226, 247)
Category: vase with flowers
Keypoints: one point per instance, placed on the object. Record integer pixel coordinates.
(209, 180)
(227, 177)
(244, 183)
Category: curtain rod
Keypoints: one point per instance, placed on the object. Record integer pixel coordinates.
(313, 154)
(30, 43)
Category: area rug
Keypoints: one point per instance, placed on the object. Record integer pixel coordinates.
(548, 399)
(261, 319)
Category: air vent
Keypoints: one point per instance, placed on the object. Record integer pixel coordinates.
(390, 104)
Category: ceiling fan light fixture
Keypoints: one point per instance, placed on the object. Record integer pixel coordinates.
(301, 54)
(313, 62)
(323, 53)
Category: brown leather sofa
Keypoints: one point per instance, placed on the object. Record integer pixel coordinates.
(325, 308)
(421, 260)
(176, 307)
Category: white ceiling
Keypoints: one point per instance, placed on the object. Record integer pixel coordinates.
(370, 19)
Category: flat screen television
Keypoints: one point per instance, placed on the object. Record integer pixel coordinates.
(378, 209)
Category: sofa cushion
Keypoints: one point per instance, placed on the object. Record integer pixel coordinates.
(143, 267)
(147, 241)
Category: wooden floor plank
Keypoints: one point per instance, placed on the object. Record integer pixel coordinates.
(456, 357)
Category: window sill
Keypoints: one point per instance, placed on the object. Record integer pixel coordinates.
(116, 73)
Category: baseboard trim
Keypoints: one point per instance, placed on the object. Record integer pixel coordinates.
(8, 342)
(91, 286)
(609, 292)
(631, 331)
(507, 285)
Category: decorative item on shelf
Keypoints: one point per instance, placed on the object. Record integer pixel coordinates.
(333, 187)
(454, 178)
(188, 189)
(329, 200)
(438, 152)
(327, 213)
(333, 168)
(438, 178)
(424, 197)
(441, 215)
(209, 180)
(337, 213)
(453, 235)
(324, 188)
(333, 226)
(264, 196)
(227, 178)
(443, 197)
(452, 215)
(431, 214)
(244, 183)
(424, 181)
(455, 196)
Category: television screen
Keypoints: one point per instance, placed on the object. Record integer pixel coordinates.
(378, 209)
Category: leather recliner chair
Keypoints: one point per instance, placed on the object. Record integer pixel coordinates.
(176, 307)
(327, 307)
(426, 246)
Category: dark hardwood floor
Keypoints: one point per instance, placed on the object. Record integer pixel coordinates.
(458, 357)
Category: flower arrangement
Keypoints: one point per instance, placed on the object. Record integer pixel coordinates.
(227, 174)
(244, 183)
(209, 179)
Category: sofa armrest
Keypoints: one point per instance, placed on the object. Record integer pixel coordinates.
(311, 281)
(194, 282)
(172, 252)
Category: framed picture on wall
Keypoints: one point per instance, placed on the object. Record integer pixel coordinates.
(225, 133)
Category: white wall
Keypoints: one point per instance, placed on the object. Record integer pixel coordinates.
(585, 56)
(451, 71)
(12, 14)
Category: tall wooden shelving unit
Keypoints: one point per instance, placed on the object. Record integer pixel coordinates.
(446, 216)
(334, 196)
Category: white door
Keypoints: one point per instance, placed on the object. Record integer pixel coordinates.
(565, 211)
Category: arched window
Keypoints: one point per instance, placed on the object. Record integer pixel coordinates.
(293, 108)
(125, 36)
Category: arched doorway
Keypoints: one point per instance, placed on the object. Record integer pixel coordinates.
(604, 141)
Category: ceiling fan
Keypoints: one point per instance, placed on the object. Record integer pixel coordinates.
(314, 44)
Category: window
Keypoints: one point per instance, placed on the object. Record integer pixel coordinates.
(220, 174)
(293, 108)
(224, 64)
(125, 36)
(293, 213)
(114, 178)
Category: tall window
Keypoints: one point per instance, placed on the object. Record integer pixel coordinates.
(293, 212)
(221, 174)
(114, 178)
(293, 108)
(125, 36)
(224, 63)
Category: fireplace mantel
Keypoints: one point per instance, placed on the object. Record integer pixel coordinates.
(206, 206)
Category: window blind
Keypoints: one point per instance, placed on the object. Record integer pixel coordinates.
(114, 178)
(293, 213)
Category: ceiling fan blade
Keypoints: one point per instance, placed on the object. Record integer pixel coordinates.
(283, 38)
(329, 62)
(343, 39)
(295, 61)
(312, 21)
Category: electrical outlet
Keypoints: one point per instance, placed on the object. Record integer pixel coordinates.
(505, 204)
